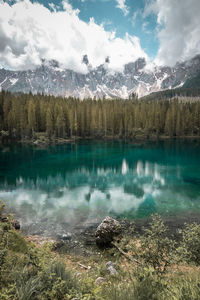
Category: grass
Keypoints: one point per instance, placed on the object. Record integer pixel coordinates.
(32, 272)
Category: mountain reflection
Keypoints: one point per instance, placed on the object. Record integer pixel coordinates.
(62, 191)
(107, 190)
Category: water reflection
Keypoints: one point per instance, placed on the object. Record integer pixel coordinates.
(74, 190)
(124, 166)
(91, 195)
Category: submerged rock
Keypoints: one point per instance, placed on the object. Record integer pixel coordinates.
(106, 231)
(66, 236)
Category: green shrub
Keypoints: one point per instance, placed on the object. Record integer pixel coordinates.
(152, 249)
(27, 288)
(102, 270)
(8, 292)
(146, 285)
(190, 245)
(185, 287)
(16, 242)
(143, 284)
(31, 273)
(156, 250)
(2, 206)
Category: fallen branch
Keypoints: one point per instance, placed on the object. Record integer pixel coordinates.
(125, 254)
(85, 267)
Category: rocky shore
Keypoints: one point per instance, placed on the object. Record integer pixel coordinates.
(89, 240)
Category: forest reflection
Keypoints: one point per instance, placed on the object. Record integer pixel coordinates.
(77, 184)
(126, 191)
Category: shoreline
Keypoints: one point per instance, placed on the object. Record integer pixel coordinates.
(63, 141)
(81, 241)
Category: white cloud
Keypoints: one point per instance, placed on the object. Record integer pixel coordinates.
(145, 28)
(52, 6)
(30, 32)
(178, 29)
(135, 15)
(121, 4)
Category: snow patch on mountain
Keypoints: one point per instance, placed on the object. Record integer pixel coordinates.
(1, 83)
(13, 80)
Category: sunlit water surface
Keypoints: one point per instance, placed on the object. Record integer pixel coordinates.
(74, 185)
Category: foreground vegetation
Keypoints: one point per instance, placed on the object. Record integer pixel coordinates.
(152, 266)
(42, 118)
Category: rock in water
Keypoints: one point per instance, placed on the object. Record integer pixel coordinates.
(106, 231)
(66, 236)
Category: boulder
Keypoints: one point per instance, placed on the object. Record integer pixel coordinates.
(100, 280)
(110, 266)
(16, 224)
(106, 231)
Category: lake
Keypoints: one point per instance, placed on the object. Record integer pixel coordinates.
(70, 186)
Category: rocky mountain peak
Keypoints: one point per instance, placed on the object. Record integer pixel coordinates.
(99, 82)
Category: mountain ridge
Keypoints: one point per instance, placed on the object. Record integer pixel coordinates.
(136, 78)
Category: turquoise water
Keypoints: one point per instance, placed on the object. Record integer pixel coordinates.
(78, 184)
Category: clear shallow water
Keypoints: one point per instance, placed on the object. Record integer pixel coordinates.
(73, 185)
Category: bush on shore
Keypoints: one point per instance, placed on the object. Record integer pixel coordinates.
(28, 272)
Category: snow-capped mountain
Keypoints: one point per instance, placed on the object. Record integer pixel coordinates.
(137, 77)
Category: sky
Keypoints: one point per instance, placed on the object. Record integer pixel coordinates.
(161, 31)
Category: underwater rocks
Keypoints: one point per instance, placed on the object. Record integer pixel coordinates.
(66, 236)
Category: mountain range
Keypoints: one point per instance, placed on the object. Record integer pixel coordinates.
(137, 78)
